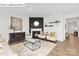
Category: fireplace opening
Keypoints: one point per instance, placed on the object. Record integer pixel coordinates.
(35, 33)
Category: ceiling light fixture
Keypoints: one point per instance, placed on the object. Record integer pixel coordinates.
(30, 9)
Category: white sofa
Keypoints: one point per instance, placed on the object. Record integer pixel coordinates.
(48, 36)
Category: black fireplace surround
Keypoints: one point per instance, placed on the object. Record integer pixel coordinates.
(31, 23)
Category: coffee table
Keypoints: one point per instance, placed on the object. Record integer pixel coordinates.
(32, 43)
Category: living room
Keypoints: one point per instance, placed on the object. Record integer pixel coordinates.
(34, 29)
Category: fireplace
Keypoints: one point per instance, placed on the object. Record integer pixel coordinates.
(34, 32)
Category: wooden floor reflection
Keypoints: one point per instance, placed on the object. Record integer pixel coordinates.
(70, 47)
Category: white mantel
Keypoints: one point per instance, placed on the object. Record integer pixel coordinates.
(35, 29)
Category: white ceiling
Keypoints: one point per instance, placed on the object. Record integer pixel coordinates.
(44, 9)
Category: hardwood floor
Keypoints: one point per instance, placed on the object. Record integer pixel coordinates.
(70, 47)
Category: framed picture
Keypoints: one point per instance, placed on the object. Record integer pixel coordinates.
(16, 23)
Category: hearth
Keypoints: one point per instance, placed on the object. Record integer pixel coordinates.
(34, 32)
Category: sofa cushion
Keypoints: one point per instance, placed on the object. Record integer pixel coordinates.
(52, 34)
(41, 36)
(51, 38)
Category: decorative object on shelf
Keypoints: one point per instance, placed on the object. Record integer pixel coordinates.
(45, 25)
(16, 23)
(48, 25)
(54, 22)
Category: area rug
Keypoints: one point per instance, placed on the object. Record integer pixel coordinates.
(22, 50)
(5, 50)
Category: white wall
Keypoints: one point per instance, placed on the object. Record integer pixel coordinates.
(58, 28)
(26, 24)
